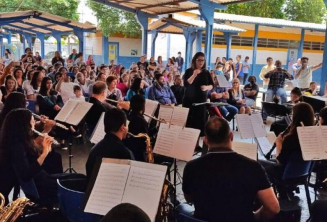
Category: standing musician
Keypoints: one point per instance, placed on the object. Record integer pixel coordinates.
(223, 184)
(288, 146)
(111, 146)
(197, 82)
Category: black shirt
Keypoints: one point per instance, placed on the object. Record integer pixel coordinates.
(223, 186)
(144, 64)
(93, 115)
(109, 147)
(291, 146)
(178, 92)
(249, 87)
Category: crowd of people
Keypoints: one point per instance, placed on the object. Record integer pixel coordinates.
(121, 92)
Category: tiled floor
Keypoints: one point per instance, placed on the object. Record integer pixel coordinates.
(80, 152)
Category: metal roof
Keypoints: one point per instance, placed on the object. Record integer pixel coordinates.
(157, 7)
(176, 23)
(38, 22)
(267, 21)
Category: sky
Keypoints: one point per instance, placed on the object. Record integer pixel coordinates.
(85, 13)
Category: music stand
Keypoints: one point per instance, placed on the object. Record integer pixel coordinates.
(70, 168)
(275, 110)
(316, 104)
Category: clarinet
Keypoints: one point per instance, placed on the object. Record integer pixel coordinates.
(268, 155)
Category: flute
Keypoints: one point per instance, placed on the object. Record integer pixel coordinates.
(55, 142)
(154, 118)
(57, 124)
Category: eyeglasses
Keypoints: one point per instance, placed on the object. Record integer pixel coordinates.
(200, 60)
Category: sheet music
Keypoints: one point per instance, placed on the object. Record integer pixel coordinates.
(248, 150)
(176, 141)
(108, 189)
(179, 116)
(78, 113)
(222, 81)
(66, 110)
(144, 186)
(98, 133)
(244, 126)
(257, 124)
(150, 108)
(165, 112)
(311, 142)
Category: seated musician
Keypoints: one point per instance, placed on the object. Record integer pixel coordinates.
(219, 94)
(21, 159)
(126, 212)
(111, 146)
(251, 91)
(223, 184)
(312, 91)
(323, 117)
(137, 124)
(161, 92)
(280, 125)
(288, 146)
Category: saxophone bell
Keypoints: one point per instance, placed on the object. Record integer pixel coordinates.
(148, 151)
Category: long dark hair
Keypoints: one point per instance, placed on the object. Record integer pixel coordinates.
(43, 88)
(195, 57)
(136, 85)
(34, 80)
(14, 100)
(302, 113)
(16, 129)
(323, 116)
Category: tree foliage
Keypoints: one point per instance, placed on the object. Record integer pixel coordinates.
(263, 8)
(305, 10)
(114, 21)
(64, 8)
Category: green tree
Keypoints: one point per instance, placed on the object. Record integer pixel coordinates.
(65, 8)
(114, 21)
(264, 8)
(305, 10)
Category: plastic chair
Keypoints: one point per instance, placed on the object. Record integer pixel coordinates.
(297, 172)
(71, 200)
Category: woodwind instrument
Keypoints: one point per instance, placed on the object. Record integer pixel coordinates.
(12, 211)
(117, 102)
(148, 151)
(55, 142)
(57, 124)
(155, 118)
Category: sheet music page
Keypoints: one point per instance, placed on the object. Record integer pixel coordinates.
(98, 133)
(165, 112)
(323, 130)
(185, 143)
(144, 186)
(257, 125)
(108, 189)
(244, 126)
(66, 110)
(310, 142)
(264, 144)
(78, 113)
(222, 81)
(179, 116)
(248, 150)
(150, 108)
(166, 139)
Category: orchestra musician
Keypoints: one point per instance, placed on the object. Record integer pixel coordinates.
(197, 82)
(288, 146)
(223, 185)
(111, 146)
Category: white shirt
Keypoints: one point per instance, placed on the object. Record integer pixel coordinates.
(67, 91)
(305, 77)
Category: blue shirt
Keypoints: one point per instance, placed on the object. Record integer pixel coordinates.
(237, 67)
(162, 94)
(246, 69)
(217, 89)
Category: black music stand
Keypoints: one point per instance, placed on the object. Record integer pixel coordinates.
(70, 168)
(316, 104)
(275, 110)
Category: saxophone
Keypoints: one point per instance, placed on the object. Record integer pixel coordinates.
(148, 150)
(13, 210)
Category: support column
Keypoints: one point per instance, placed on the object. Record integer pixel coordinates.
(80, 35)
(300, 49)
(9, 38)
(199, 41)
(324, 67)
(57, 36)
(105, 50)
(154, 35)
(255, 48)
(41, 37)
(24, 44)
(228, 37)
(29, 40)
(2, 46)
(189, 37)
(142, 19)
(168, 47)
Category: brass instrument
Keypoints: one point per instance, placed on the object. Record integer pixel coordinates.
(13, 210)
(148, 151)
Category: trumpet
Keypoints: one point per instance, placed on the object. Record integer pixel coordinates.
(55, 142)
(148, 151)
(57, 124)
